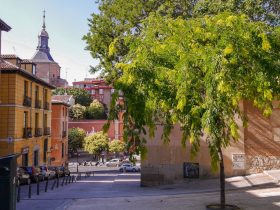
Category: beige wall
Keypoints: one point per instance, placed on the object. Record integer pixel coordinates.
(258, 149)
(12, 121)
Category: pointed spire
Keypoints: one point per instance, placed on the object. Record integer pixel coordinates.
(44, 15)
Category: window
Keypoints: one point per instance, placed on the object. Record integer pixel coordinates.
(62, 150)
(100, 91)
(37, 92)
(30, 89)
(36, 158)
(92, 91)
(36, 120)
(45, 121)
(25, 118)
(112, 91)
(45, 95)
(45, 149)
(33, 69)
(24, 159)
(25, 88)
(66, 111)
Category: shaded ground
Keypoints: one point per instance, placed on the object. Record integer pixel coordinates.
(112, 190)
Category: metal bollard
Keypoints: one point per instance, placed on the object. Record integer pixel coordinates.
(66, 180)
(18, 191)
(69, 179)
(38, 186)
(53, 184)
(72, 178)
(47, 183)
(63, 182)
(29, 188)
(57, 184)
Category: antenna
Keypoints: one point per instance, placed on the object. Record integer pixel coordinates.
(14, 49)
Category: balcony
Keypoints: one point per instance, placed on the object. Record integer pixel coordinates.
(64, 134)
(38, 132)
(27, 132)
(38, 104)
(46, 105)
(47, 131)
(27, 101)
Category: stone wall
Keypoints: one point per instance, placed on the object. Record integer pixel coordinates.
(262, 142)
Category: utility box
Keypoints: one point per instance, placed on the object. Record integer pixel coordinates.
(8, 173)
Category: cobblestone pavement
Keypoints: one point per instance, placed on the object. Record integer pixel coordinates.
(112, 190)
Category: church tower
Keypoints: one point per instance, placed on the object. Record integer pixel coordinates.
(47, 69)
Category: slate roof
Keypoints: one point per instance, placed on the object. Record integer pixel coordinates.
(63, 98)
(42, 55)
(9, 56)
(4, 26)
(9, 68)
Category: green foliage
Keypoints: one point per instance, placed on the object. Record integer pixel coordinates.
(95, 111)
(81, 96)
(119, 21)
(96, 143)
(75, 138)
(195, 72)
(77, 111)
(117, 146)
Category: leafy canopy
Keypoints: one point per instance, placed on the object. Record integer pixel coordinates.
(195, 72)
(96, 143)
(77, 111)
(75, 138)
(81, 96)
(117, 146)
(95, 110)
(119, 19)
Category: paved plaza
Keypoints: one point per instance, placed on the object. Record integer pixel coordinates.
(113, 190)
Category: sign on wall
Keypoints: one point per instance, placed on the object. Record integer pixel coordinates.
(191, 170)
(238, 161)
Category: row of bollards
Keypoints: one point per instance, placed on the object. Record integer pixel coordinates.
(65, 180)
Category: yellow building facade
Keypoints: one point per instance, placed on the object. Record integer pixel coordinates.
(25, 112)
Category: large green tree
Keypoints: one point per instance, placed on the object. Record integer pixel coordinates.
(95, 110)
(185, 65)
(75, 139)
(77, 111)
(96, 143)
(117, 146)
(194, 73)
(81, 96)
(119, 19)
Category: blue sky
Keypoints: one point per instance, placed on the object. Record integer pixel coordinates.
(66, 23)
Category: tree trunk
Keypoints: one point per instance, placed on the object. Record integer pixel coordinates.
(222, 179)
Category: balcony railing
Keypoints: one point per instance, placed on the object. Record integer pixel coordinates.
(27, 132)
(38, 132)
(47, 131)
(38, 104)
(27, 101)
(64, 134)
(46, 106)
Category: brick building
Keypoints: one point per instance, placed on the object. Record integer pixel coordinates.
(97, 88)
(25, 112)
(59, 142)
(47, 68)
(258, 149)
